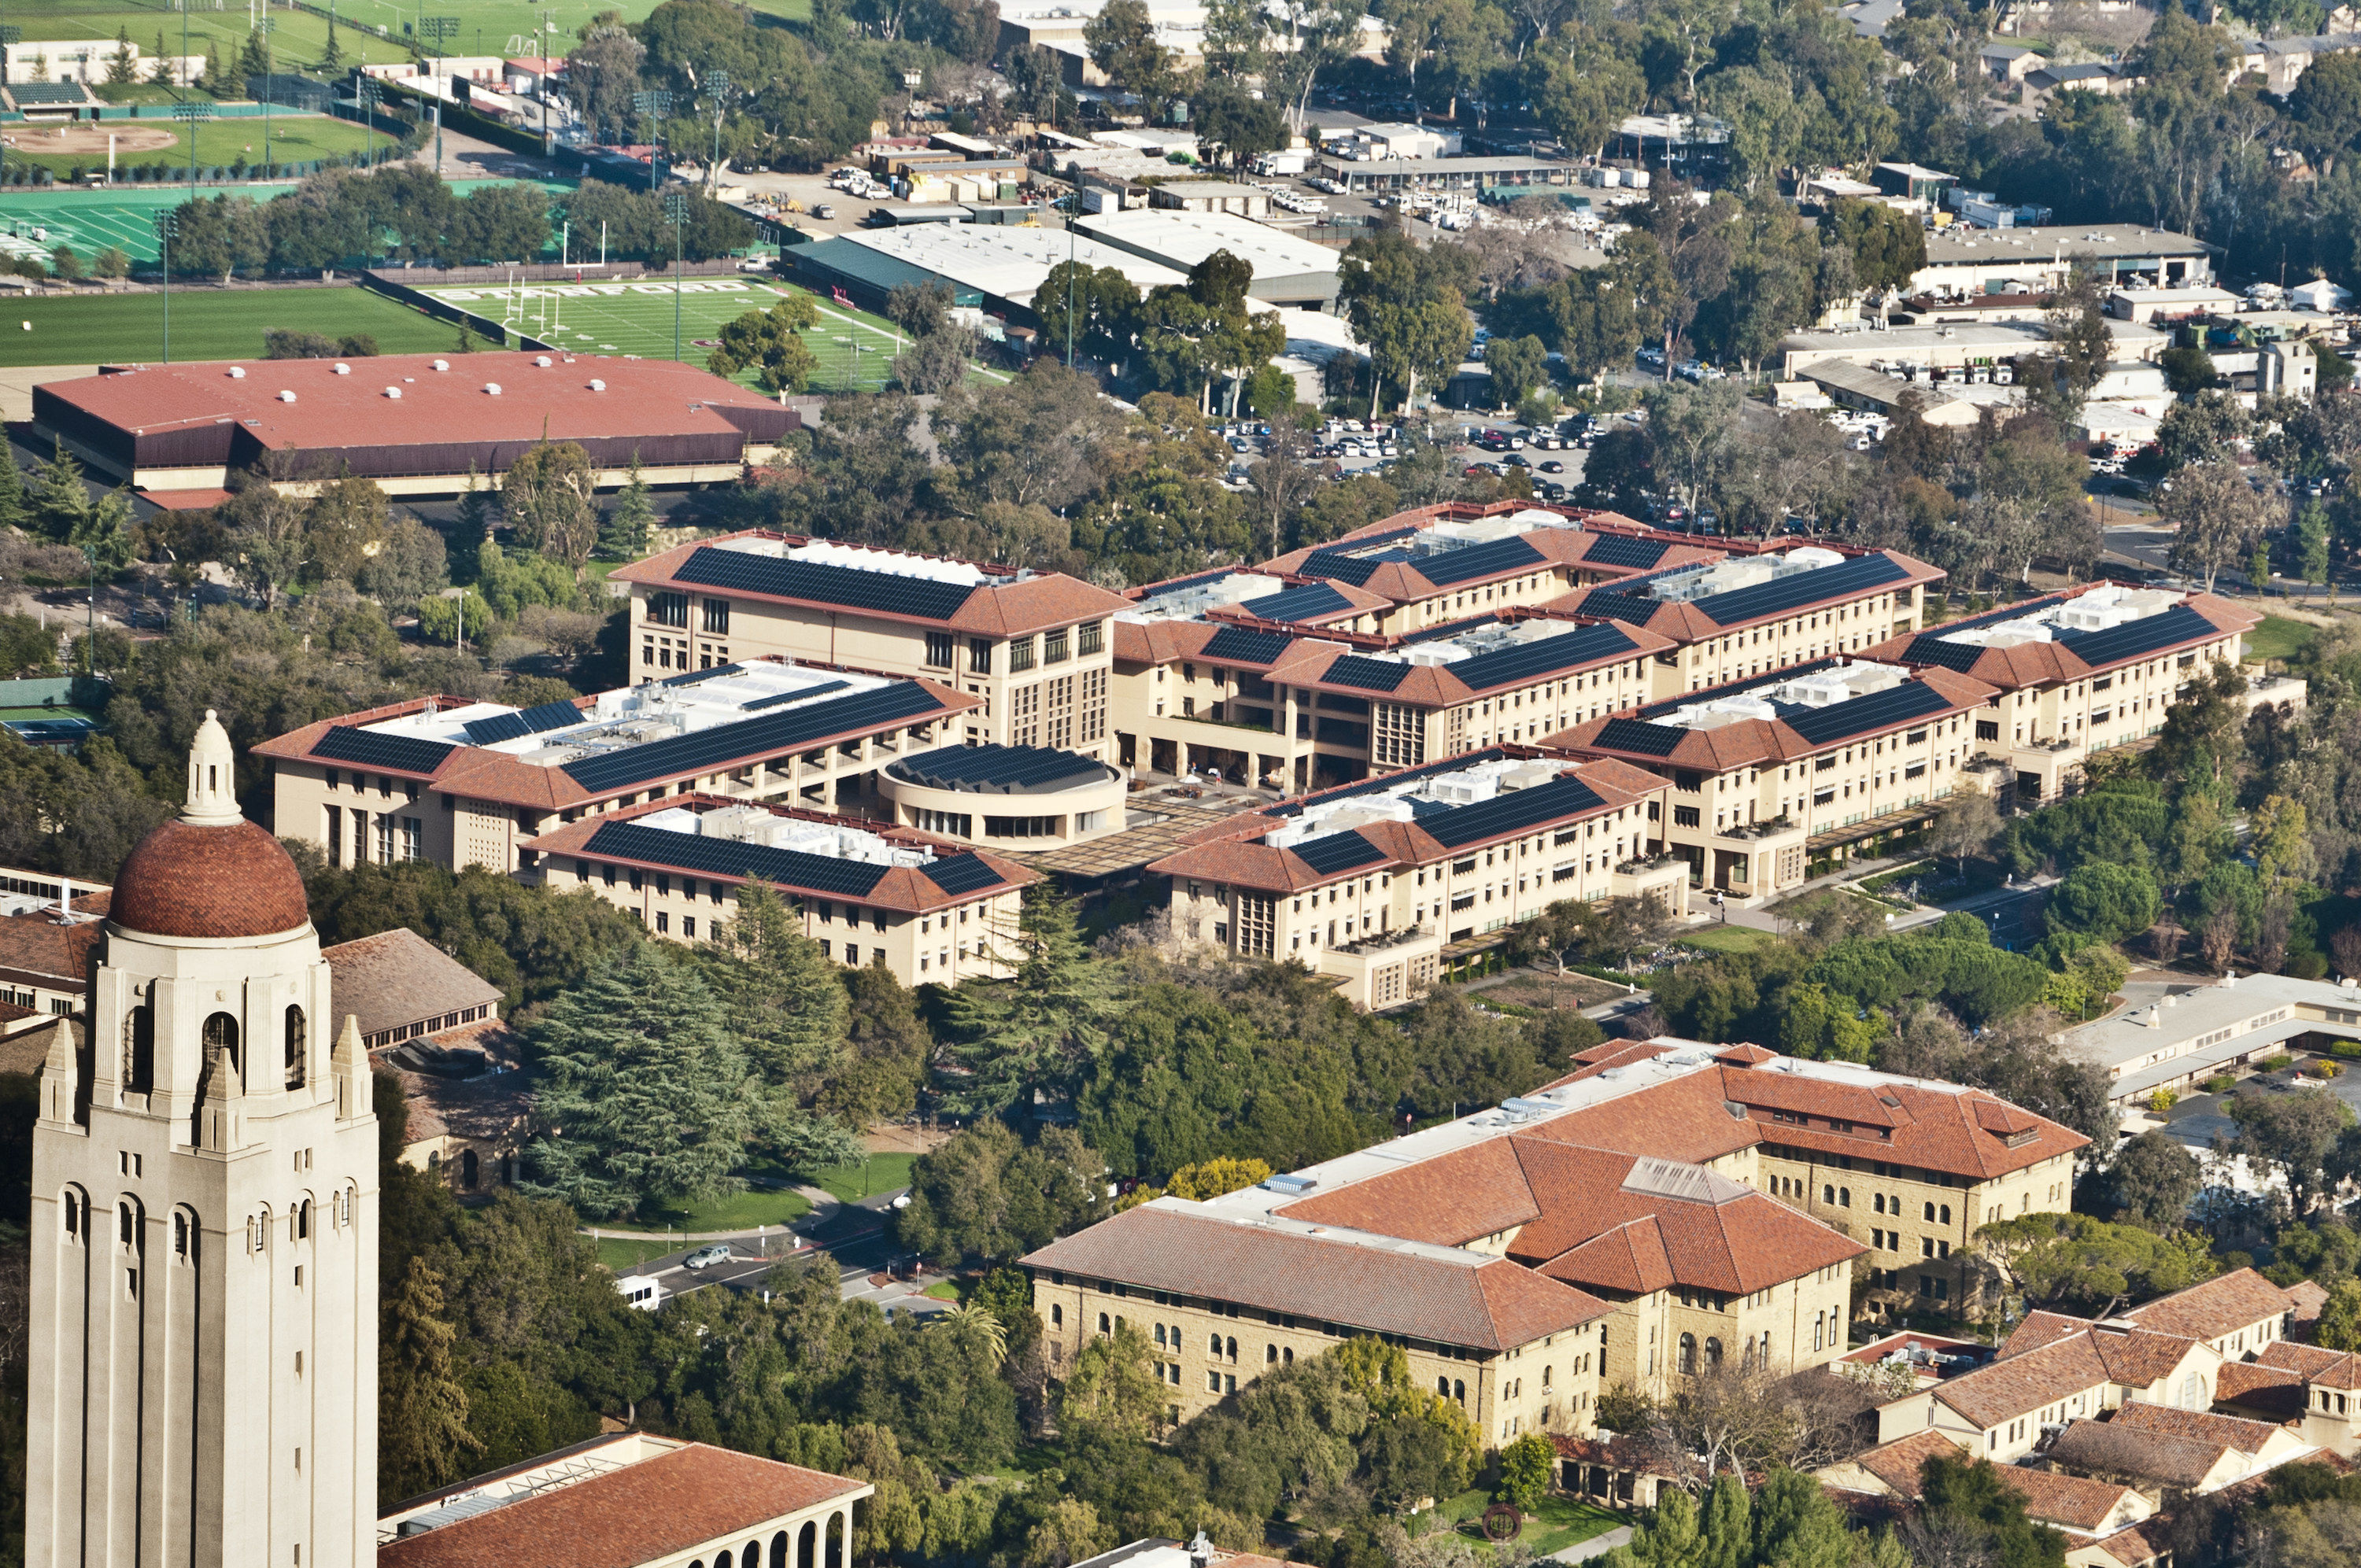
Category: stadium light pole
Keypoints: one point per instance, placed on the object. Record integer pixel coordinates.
(193, 114)
(168, 222)
(441, 29)
(717, 83)
(655, 104)
(370, 94)
(267, 24)
(676, 209)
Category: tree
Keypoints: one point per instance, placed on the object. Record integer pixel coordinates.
(60, 499)
(104, 532)
(2291, 1134)
(645, 1100)
(787, 1010)
(2217, 516)
(1123, 44)
(1406, 305)
(14, 511)
(1242, 123)
(1067, 1534)
(933, 364)
(2187, 371)
(549, 494)
(1967, 1505)
(1112, 1388)
(1031, 1032)
(2312, 544)
(920, 309)
(623, 530)
(122, 66)
(1888, 247)
(985, 1194)
(1695, 242)
(771, 343)
(1518, 366)
(2153, 1177)
(2066, 1261)
(422, 1437)
(2326, 109)
(1528, 1466)
(1964, 824)
(2107, 901)
(2080, 347)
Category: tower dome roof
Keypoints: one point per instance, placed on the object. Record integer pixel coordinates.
(208, 872)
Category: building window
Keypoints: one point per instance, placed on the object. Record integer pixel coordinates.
(979, 655)
(1020, 653)
(938, 650)
(717, 616)
(668, 610)
(1087, 638)
(1053, 647)
(1090, 717)
(1688, 1355)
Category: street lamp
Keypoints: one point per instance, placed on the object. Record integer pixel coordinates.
(168, 223)
(676, 209)
(655, 104)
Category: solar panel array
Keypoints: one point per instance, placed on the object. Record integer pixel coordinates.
(1298, 603)
(707, 749)
(995, 766)
(1511, 812)
(1627, 608)
(962, 874)
(1392, 781)
(1354, 569)
(1236, 644)
(1473, 561)
(799, 695)
(405, 752)
(1930, 648)
(1639, 736)
(530, 721)
(1525, 660)
(1334, 852)
(1797, 589)
(1366, 675)
(1878, 710)
(1622, 550)
(695, 676)
(847, 586)
(728, 857)
(1775, 677)
(2136, 639)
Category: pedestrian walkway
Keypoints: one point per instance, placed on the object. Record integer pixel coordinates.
(1597, 1546)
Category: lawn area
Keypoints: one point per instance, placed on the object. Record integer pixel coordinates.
(2280, 637)
(1557, 1524)
(1727, 938)
(621, 1257)
(756, 1206)
(879, 1174)
(81, 329)
(292, 138)
(941, 1291)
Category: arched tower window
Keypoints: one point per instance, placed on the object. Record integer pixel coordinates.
(1688, 1355)
(296, 1040)
(140, 1050)
(220, 1041)
(74, 1210)
(185, 1236)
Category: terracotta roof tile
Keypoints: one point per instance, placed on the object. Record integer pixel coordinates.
(191, 881)
(2113, 1449)
(1898, 1463)
(2004, 1390)
(2235, 1300)
(1449, 1200)
(2323, 1368)
(2068, 1500)
(2144, 1543)
(399, 977)
(37, 947)
(2271, 1392)
(2201, 1426)
(651, 1511)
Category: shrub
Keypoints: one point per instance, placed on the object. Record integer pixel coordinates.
(2220, 1083)
(2162, 1100)
(2348, 1049)
(2323, 1070)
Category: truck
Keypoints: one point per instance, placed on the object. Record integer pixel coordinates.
(1270, 164)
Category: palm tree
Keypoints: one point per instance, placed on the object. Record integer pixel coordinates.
(979, 1322)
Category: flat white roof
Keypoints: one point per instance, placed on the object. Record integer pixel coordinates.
(1948, 248)
(2105, 606)
(1005, 261)
(760, 824)
(1184, 239)
(2156, 1024)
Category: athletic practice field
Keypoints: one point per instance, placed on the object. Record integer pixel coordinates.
(220, 144)
(35, 223)
(852, 346)
(207, 325)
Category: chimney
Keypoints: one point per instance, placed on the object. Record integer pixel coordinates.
(65, 899)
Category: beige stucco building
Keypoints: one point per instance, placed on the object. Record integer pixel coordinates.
(203, 1382)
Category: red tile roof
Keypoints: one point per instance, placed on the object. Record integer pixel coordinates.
(2235, 1300)
(2202, 1425)
(1763, 742)
(35, 949)
(2113, 1448)
(2338, 1369)
(193, 880)
(2003, 1390)
(1898, 1463)
(651, 1511)
(2273, 1392)
(1478, 1303)
(2050, 664)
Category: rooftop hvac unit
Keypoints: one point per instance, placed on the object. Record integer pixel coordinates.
(394, 392)
(493, 387)
(342, 368)
(237, 372)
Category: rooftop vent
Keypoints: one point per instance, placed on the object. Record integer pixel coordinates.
(442, 364)
(394, 392)
(543, 360)
(237, 372)
(493, 387)
(1291, 1183)
(597, 386)
(286, 396)
(342, 368)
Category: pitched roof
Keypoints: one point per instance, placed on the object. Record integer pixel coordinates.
(1758, 742)
(2222, 1305)
(40, 950)
(399, 977)
(2202, 1425)
(2323, 1368)
(2003, 1390)
(640, 1513)
(1350, 1279)
(2116, 1449)
(1583, 542)
(2068, 1500)
(2031, 663)
(2273, 1391)
(1686, 622)
(2142, 1544)
(1898, 1463)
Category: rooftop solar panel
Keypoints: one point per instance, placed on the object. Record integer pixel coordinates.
(1929, 648)
(799, 695)
(996, 767)
(2138, 639)
(1237, 645)
(1878, 710)
(1639, 736)
(1629, 608)
(1528, 661)
(1354, 569)
(1511, 812)
(814, 583)
(1794, 591)
(728, 857)
(707, 749)
(962, 874)
(405, 752)
(1622, 550)
(548, 716)
(1390, 780)
(1770, 678)
(1334, 852)
(1366, 675)
(1299, 603)
(695, 676)
(1471, 562)
(499, 727)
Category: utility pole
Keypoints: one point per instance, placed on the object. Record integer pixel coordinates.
(676, 209)
(717, 83)
(655, 104)
(168, 222)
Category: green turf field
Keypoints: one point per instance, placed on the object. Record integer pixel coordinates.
(35, 223)
(507, 28)
(637, 318)
(288, 139)
(95, 328)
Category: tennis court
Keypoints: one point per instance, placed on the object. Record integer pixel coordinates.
(36, 222)
(854, 348)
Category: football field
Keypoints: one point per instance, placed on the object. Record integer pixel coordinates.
(207, 324)
(35, 222)
(854, 348)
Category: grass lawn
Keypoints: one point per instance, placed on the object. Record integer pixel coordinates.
(941, 1291)
(880, 1173)
(623, 1256)
(1727, 938)
(294, 139)
(756, 1206)
(1557, 1524)
(2279, 638)
(81, 329)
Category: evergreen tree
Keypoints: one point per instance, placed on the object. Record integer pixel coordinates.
(467, 344)
(105, 532)
(159, 69)
(645, 1099)
(1795, 1525)
(1037, 1029)
(1966, 1501)
(787, 1010)
(120, 69)
(1725, 1527)
(422, 1410)
(60, 500)
(623, 532)
(12, 489)
(333, 57)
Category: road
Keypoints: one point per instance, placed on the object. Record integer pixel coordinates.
(2013, 915)
(870, 1268)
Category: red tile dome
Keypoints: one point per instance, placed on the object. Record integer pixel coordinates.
(186, 879)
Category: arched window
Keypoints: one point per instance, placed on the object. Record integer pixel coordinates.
(1459, 1391)
(1713, 1356)
(1214, 1346)
(752, 1556)
(1688, 1355)
(467, 1169)
(296, 1040)
(1946, 1214)
(1545, 1378)
(1056, 1316)
(185, 1236)
(1234, 1350)
(74, 1210)
(140, 1050)
(779, 1550)
(303, 1220)
(1287, 1356)
(220, 1041)
(808, 1546)
(1160, 1337)
(1844, 1197)
(1828, 1194)
(1269, 1354)
(1443, 1386)
(1104, 1326)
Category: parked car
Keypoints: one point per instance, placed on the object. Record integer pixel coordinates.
(707, 1256)
(1552, 466)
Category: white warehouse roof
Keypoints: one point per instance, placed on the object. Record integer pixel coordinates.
(1006, 263)
(1182, 239)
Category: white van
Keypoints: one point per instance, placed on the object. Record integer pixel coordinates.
(640, 1293)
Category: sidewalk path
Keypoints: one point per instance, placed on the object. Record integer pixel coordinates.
(1597, 1546)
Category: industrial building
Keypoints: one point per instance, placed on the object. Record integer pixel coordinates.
(1976, 261)
(1289, 272)
(413, 423)
(996, 268)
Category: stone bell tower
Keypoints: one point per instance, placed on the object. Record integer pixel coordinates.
(204, 1290)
